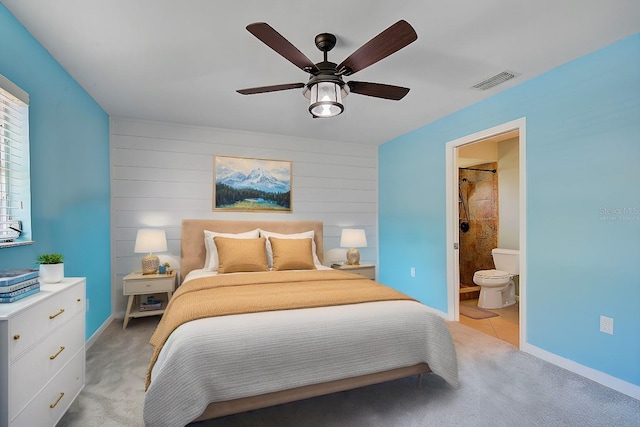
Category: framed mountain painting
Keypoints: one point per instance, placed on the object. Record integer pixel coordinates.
(251, 185)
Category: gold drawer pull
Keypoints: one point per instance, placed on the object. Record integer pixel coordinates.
(56, 355)
(57, 314)
(16, 337)
(78, 300)
(54, 404)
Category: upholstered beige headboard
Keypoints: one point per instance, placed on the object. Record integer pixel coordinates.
(192, 251)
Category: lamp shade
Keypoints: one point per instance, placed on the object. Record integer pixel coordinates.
(150, 240)
(353, 238)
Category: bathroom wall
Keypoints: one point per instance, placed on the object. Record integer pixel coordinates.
(480, 193)
(509, 194)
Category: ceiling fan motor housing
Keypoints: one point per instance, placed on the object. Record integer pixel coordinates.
(325, 41)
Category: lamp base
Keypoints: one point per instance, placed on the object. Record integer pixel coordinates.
(353, 256)
(150, 264)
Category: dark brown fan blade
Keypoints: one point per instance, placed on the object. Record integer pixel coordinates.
(274, 88)
(384, 44)
(395, 93)
(265, 33)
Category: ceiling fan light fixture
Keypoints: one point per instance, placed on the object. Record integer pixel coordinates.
(325, 99)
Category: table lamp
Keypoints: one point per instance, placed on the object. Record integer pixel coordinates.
(353, 238)
(150, 240)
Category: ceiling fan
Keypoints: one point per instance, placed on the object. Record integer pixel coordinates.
(326, 87)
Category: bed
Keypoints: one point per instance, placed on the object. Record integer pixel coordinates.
(301, 330)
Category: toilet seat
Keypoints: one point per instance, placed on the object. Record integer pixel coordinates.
(492, 279)
(492, 274)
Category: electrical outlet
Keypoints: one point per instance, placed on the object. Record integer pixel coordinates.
(606, 325)
(413, 272)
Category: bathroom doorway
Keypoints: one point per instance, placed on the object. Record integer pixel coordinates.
(485, 210)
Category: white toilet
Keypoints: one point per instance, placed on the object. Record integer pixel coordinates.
(497, 289)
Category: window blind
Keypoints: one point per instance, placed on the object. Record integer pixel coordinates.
(14, 159)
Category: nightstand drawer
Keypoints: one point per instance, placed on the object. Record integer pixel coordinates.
(369, 273)
(148, 286)
(365, 270)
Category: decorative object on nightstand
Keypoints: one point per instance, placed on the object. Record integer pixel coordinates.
(366, 270)
(353, 238)
(150, 240)
(147, 294)
(51, 268)
(164, 268)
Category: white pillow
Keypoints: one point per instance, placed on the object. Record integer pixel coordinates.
(211, 259)
(303, 235)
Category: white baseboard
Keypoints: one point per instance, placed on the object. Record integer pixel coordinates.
(606, 380)
(92, 339)
(442, 314)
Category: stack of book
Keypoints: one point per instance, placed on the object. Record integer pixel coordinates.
(18, 284)
(150, 304)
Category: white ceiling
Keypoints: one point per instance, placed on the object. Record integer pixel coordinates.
(181, 61)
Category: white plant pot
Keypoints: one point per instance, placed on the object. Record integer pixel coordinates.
(51, 273)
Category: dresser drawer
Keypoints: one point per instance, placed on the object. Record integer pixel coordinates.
(30, 372)
(36, 322)
(50, 404)
(148, 286)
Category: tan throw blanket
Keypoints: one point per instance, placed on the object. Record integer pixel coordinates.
(266, 291)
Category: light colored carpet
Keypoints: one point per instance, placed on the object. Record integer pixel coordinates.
(476, 312)
(500, 386)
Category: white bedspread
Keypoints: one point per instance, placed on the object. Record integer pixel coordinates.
(229, 357)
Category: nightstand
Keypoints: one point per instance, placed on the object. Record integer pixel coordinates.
(366, 270)
(136, 285)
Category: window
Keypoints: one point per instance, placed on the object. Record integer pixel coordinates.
(15, 189)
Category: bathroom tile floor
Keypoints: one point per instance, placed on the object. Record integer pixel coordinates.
(504, 327)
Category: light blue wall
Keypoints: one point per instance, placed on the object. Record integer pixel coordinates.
(583, 156)
(69, 137)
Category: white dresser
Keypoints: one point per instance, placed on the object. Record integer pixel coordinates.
(42, 354)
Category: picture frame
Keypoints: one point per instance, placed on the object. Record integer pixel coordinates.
(242, 184)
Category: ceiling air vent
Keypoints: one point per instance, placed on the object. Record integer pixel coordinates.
(495, 80)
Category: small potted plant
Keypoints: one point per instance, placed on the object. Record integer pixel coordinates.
(51, 268)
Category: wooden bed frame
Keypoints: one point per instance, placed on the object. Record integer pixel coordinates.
(193, 256)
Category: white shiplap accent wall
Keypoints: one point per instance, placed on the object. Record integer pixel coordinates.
(162, 173)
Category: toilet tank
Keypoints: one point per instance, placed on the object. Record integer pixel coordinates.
(506, 260)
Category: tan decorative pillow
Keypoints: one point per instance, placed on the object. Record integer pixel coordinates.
(292, 254)
(305, 234)
(211, 258)
(236, 255)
